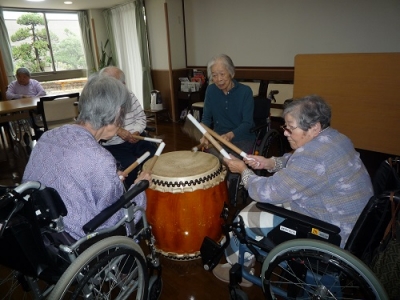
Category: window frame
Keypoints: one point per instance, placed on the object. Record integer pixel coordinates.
(51, 75)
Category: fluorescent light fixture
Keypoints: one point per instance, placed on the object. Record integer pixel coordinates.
(67, 2)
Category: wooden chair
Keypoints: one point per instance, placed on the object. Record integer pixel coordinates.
(56, 110)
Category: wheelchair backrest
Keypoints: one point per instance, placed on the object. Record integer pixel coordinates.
(22, 245)
(370, 227)
(386, 177)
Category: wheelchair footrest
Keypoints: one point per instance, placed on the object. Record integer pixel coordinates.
(235, 275)
(211, 253)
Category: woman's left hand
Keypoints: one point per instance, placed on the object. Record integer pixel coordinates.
(144, 175)
(235, 165)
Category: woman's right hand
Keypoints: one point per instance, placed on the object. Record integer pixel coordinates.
(204, 141)
(257, 162)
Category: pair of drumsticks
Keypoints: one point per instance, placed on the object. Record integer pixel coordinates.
(210, 134)
(145, 155)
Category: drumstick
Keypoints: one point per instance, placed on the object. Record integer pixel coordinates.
(226, 143)
(198, 147)
(155, 157)
(135, 164)
(145, 138)
(208, 136)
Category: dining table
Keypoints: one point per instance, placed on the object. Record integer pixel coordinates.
(17, 109)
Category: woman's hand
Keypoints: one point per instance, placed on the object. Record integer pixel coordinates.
(121, 175)
(257, 162)
(235, 165)
(144, 175)
(228, 136)
(127, 136)
(204, 141)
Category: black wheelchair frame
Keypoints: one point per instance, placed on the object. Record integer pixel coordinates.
(44, 260)
(301, 257)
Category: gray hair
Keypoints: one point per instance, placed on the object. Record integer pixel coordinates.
(104, 100)
(23, 71)
(226, 61)
(308, 111)
(113, 72)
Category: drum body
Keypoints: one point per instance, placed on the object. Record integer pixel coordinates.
(185, 201)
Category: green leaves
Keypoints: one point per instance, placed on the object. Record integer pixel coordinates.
(32, 50)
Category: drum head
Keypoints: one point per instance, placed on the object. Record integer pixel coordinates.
(183, 171)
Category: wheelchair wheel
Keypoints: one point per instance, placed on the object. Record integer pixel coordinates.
(15, 285)
(271, 145)
(114, 268)
(311, 269)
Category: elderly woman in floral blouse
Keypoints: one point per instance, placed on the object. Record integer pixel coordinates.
(323, 177)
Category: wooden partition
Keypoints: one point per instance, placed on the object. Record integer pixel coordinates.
(3, 78)
(364, 93)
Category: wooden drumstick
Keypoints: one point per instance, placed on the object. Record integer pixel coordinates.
(135, 164)
(208, 136)
(155, 157)
(198, 147)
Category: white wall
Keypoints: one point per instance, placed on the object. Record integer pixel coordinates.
(157, 34)
(268, 33)
(176, 34)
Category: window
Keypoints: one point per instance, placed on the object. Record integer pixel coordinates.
(49, 44)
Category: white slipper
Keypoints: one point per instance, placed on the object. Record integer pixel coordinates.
(221, 271)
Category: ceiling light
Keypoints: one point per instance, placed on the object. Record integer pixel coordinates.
(67, 2)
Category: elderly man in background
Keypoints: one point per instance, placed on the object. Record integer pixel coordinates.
(124, 147)
(24, 86)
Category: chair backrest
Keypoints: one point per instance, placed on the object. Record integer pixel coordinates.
(262, 108)
(373, 220)
(58, 110)
(386, 177)
(22, 245)
(285, 92)
(370, 227)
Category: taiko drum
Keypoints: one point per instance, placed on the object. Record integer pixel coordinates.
(185, 201)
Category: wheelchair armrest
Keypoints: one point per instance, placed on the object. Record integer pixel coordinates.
(106, 213)
(289, 214)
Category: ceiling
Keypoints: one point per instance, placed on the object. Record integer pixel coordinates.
(59, 4)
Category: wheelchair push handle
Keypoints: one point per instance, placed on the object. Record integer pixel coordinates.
(16, 196)
(106, 213)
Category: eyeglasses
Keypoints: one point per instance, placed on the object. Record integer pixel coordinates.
(288, 129)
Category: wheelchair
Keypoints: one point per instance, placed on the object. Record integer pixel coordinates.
(301, 257)
(46, 262)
